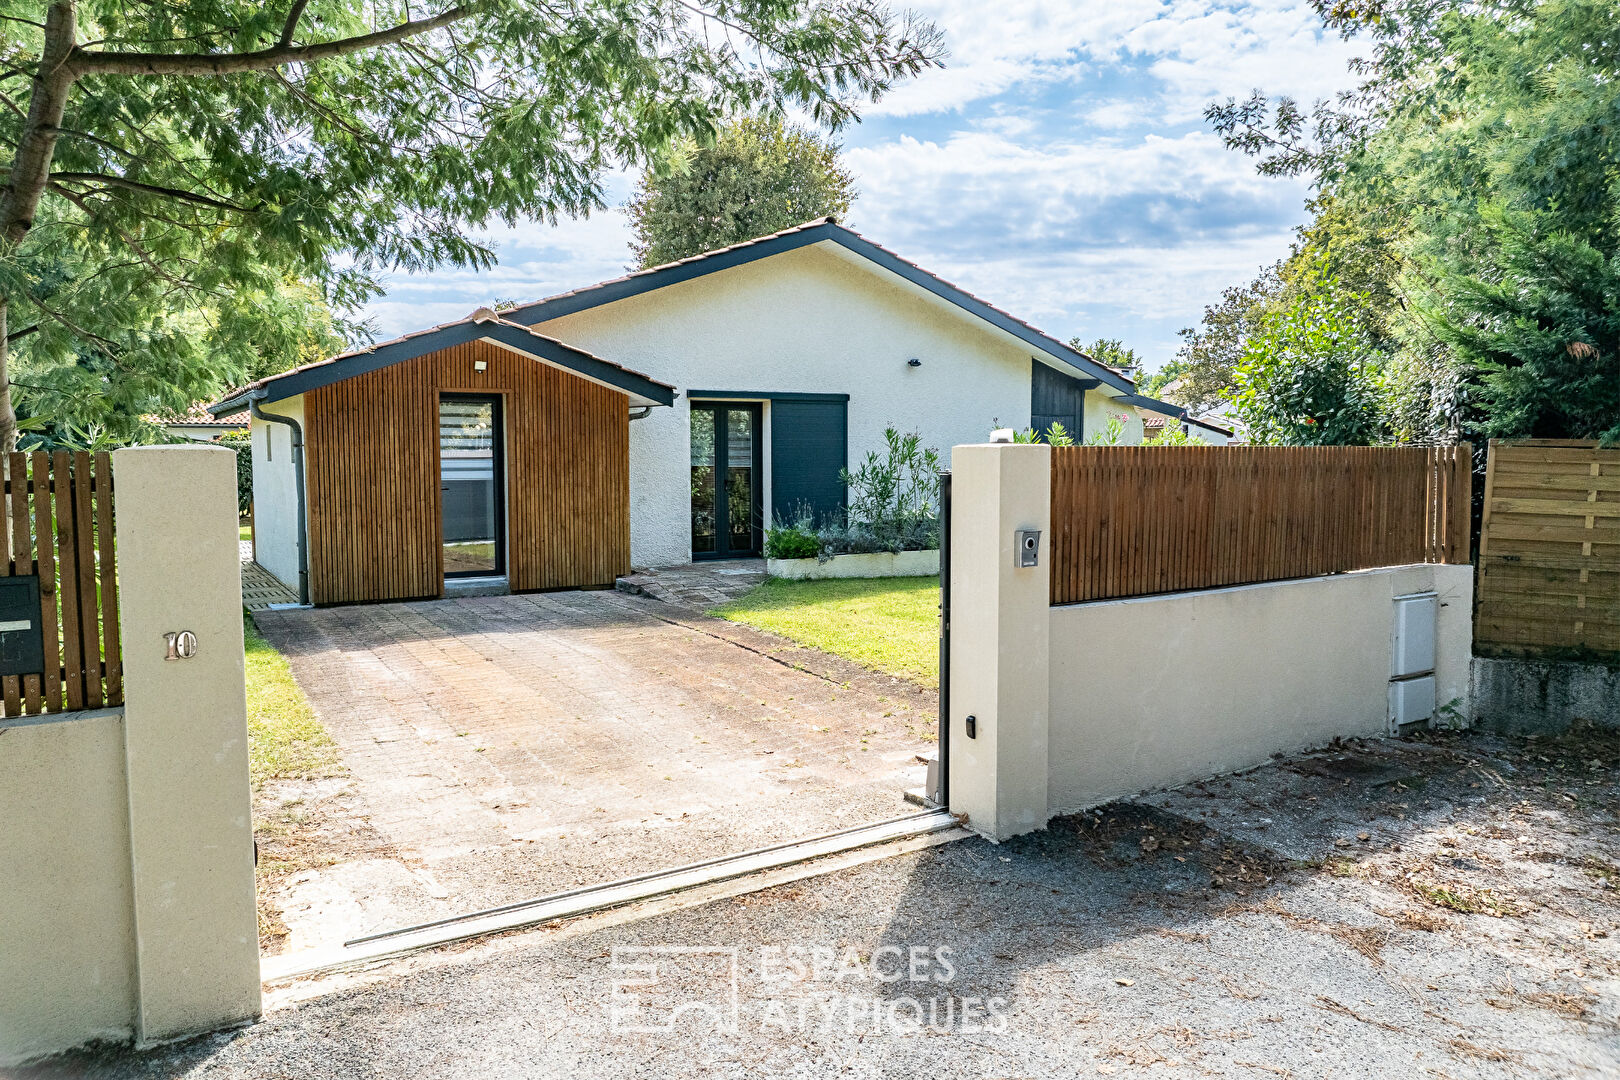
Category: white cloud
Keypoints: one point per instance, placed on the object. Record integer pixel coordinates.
(1059, 167)
(536, 260)
(1199, 50)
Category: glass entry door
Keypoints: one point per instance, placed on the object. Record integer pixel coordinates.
(725, 481)
(471, 487)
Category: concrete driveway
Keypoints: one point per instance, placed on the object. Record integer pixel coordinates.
(1435, 908)
(499, 748)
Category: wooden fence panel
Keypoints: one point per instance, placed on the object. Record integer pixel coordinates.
(1133, 521)
(59, 525)
(1549, 550)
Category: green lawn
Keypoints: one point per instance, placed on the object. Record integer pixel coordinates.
(285, 740)
(244, 532)
(890, 624)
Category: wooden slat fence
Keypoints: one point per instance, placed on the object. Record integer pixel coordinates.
(1134, 521)
(1549, 550)
(59, 525)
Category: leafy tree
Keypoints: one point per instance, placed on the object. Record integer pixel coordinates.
(173, 165)
(1540, 329)
(1309, 375)
(1210, 353)
(1110, 351)
(1166, 380)
(1459, 188)
(760, 176)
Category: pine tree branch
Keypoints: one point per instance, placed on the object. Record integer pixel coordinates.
(106, 181)
(296, 13)
(84, 62)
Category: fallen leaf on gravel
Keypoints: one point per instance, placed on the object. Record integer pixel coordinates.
(1126, 982)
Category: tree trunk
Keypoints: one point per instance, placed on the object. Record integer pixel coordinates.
(8, 418)
(31, 168)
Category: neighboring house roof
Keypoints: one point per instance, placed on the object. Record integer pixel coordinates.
(481, 325)
(1154, 420)
(199, 416)
(815, 232)
(1209, 426)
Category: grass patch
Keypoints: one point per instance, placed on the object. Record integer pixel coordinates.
(888, 624)
(244, 533)
(285, 740)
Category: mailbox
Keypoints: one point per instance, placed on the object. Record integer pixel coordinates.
(22, 643)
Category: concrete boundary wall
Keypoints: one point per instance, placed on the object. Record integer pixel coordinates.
(67, 916)
(1077, 705)
(126, 857)
(1521, 696)
(1159, 691)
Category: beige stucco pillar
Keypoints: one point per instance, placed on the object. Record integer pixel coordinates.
(1000, 629)
(185, 740)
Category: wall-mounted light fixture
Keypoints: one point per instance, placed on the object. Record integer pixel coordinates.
(480, 365)
(914, 362)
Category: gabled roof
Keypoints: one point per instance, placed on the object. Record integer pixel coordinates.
(1156, 419)
(199, 416)
(1228, 432)
(815, 232)
(481, 325)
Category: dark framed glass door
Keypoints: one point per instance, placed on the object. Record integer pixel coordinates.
(726, 510)
(472, 485)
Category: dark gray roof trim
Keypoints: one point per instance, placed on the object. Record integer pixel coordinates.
(802, 236)
(313, 376)
(761, 395)
(1155, 405)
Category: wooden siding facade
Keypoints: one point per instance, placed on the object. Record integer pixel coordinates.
(372, 467)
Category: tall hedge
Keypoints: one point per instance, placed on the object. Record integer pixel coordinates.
(243, 445)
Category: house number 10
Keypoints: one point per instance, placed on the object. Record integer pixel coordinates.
(182, 645)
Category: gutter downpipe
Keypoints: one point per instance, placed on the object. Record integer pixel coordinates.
(298, 483)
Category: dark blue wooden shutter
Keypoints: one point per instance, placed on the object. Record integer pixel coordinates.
(1056, 397)
(809, 446)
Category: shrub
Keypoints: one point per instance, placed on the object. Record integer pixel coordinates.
(893, 499)
(860, 538)
(1173, 434)
(1056, 435)
(893, 507)
(796, 541)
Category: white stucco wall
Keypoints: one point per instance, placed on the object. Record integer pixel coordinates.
(1100, 410)
(275, 494)
(67, 914)
(1153, 692)
(814, 320)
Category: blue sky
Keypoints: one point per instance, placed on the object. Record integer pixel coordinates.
(1058, 166)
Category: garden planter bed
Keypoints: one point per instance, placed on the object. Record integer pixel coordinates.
(881, 564)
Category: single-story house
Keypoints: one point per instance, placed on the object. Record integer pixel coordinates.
(527, 445)
(1153, 423)
(200, 425)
